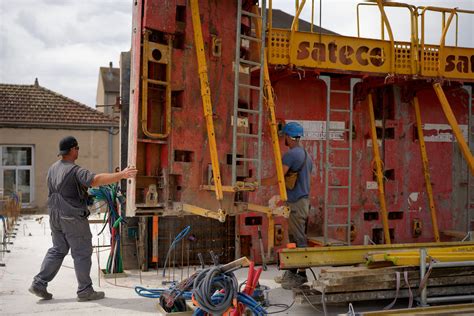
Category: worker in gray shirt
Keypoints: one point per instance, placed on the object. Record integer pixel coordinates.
(67, 207)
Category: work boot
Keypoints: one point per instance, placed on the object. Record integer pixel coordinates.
(91, 296)
(40, 292)
(279, 278)
(293, 280)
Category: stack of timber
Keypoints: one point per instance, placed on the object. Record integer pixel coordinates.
(361, 283)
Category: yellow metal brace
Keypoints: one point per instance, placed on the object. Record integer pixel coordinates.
(378, 165)
(412, 257)
(426, 169)
(454, 126)
(270, 103)
(349, 255)
(165, 50)
(219, 215)
(206, 97)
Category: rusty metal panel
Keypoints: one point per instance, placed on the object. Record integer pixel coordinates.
(160, 15)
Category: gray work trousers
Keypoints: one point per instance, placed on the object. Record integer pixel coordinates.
(299, 212)
(68, 233)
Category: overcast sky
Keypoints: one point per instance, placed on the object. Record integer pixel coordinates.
(64, 42)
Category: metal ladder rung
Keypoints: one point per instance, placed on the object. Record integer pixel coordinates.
(338, 186)
(339, 168)
(251, 38)
(249, 62)
(247, 135)
(253, 15)
(340, 91)
(338, 225)
(248, 86)
(339, 148)
(335, 206)
(340, 110)
(246, 159)
(247, 111)
(158, 82)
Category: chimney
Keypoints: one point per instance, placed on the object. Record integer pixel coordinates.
(36, 83)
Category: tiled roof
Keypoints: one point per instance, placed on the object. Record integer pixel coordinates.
(283, 20)
(33, 105)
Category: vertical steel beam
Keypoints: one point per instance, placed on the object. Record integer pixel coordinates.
(379, 170)
(426, 169)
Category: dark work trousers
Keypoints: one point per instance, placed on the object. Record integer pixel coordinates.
(299, 212)
(68, 233)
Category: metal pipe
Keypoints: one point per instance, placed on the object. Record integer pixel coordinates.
(272, 121)
(454, 126)
(426, 169)
(295, 24)
(206, 97)
(423, 294)
(379, 170)
(327, 81)
(236, 91)
(390, 34)
(261, 84)
(111, 149)
(442, 42)
(445, 299)
(452, 264)
(470, 142)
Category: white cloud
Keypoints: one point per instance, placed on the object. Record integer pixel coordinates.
(63, 42)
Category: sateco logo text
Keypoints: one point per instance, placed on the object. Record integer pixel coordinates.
(346, 55)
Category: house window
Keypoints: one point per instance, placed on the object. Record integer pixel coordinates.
(16, 171)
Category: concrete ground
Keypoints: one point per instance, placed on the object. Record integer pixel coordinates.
(30, 245)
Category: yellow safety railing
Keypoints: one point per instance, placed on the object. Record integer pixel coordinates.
(399, 49)
(377, 56)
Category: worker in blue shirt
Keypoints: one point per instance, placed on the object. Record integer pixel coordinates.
(295, 160)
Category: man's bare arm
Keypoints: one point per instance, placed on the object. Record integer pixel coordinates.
(108, 178)
(274, 180)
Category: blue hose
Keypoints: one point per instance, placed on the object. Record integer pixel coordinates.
(156, 293)
(177, 239)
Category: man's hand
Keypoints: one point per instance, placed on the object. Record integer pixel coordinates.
(129, 172)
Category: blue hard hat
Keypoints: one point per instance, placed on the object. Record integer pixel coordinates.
(293, 129)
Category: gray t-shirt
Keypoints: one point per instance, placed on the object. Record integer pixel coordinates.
(68, 197)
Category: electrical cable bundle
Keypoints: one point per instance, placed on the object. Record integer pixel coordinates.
(216, 293)
(114, 200)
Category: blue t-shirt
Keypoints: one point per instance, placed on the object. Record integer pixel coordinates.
(294, 158)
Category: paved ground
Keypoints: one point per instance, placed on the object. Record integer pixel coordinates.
(27, 252)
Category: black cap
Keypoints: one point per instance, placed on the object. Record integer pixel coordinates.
(66, 144)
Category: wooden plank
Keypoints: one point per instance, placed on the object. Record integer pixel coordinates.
(389, 275)
(370, 285)
(454, 233)
(315, 297)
